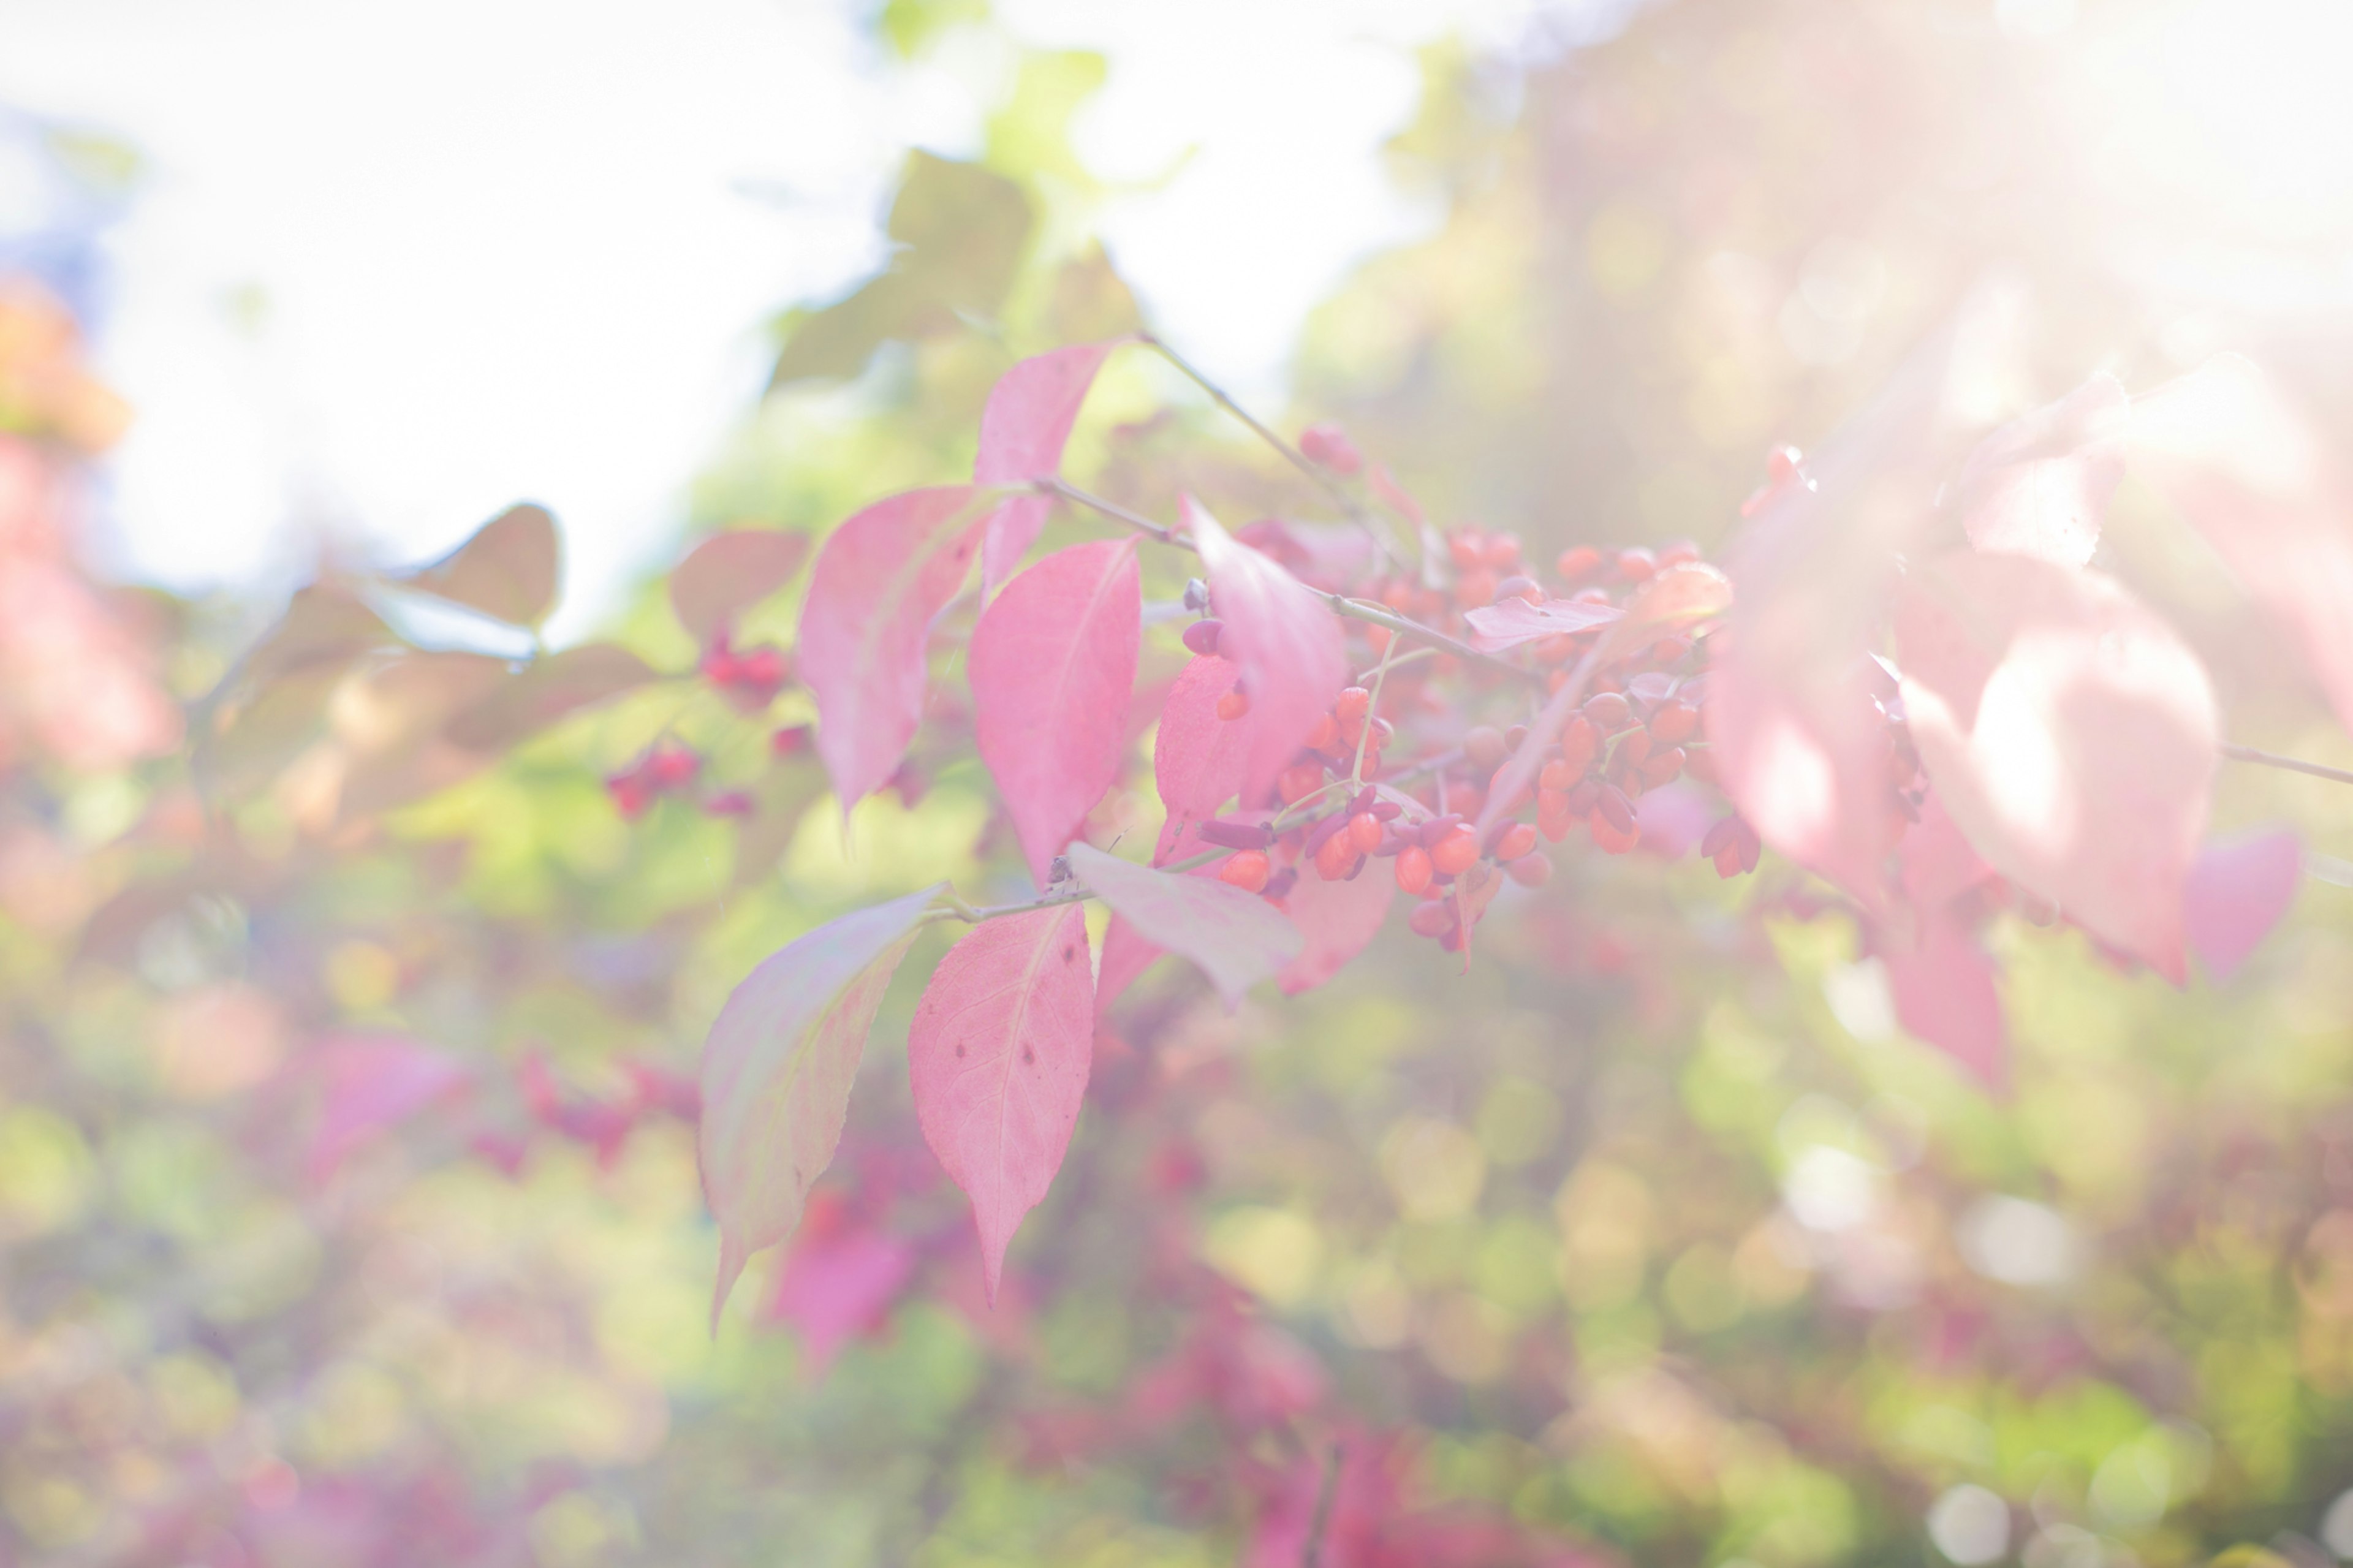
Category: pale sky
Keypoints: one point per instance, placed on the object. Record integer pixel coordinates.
(393, 266)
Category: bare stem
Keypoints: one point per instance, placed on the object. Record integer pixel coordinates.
(1310, 1555)
(1381, 615)
(2292, 764)
(1116, 512)
(1292, 454)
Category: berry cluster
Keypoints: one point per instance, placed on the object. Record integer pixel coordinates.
(750, 679)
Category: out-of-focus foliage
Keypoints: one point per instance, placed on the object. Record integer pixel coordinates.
(347, 1180)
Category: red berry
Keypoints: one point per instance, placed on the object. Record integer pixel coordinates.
(1660, 767)
(1296, 783)
(1462, 549)
(1354, 705)
(790, 741)
(1673, 723)
(1557, 776)
(1514, 841)
(1233, 704)
(1474, 588)
(1327, 446)
(1682, 552)
(1637, 565)
(1533, 869)
(1611, 838)
(1323, 733)
(1578, 561)
(1612, 806)
(1579, 744)
(1413, 869)
(1246, 869)
(671, 767)
(1365, 831)
(1608, 711)
(1699, 763)
(728, 802)
(1432, 920)
(1783, 464)
(1500, 552)
(1455, 853)
(1336, 856)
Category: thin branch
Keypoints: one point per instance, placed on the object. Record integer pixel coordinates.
(2292, 764)
(1310, 1555)
(1381, 615)
(1117, 513)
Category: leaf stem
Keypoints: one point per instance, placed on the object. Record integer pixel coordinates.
(2292, 764)
(1382, 616)
(1116, 512)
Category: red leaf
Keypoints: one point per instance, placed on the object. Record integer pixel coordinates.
(1336, 922)
(729, 572)
(1799, 750)
(880, 580)
(2239, 463)
(836, 1288)
(2238, 889)
(369, 1084)
(2040, 484)
(1945, 994)
(2069, 732)
(1022, 433)
(776, 1071)
(1198, 758)
(1293, 659)
(998, 1054)
(1237, 938)
(1125, 957)
(1508, 623)
(1052, 663)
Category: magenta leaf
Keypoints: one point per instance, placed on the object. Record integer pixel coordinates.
(1198, 758)
(1508, 623)
(2040, 484)
(1336, 922)
(1022, 433)
(729, 572)
(834, 1289)
(1052, 663)
(880, 580)
(776, 1071)
(1288, 645)
(998, 1054)
(1945, 994)
(368, 1084)
(2252, 477)
(2238, 889)
(1237, 938)
(2071, 734)
(1125, 957)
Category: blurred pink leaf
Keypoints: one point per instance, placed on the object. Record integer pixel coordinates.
(1508, 623)
(834, 1289)
(1022, 432)
(1125, 957)
(1336, 922)
(728, 572)
(1292, 657)
(1052, 662)
(1937, 864)
(2250, 475)
(2238, 889)
(508, 570)
(369, 1083)
(2071, 734)
(1945, 994)
(2040, 484)
(1237, 938)
(997, 1055)
(880, 580)
(777, 1072)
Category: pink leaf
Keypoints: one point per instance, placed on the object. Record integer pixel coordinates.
(1125, 957)
(1945, 994)
(1052, 663)
(1800, 749)
(880, 580)
(2252, 476)
(1293, 656)
(2040, 484)
(1508, 623)
(728, 572)
(1237, 938)
(1022, 433)
(834, 1288)
(370, 1083)
(2069, 732)
(1938, 866)
(1337, 921)
(998, 1054)
(1198, 758)
(776, 1071)
(1674, 817)
(2238, 889)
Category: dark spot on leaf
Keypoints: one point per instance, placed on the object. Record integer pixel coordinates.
(1068, 952)
(1028, 1055)
(959, 1051)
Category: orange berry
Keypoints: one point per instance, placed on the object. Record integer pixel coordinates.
(1296, 783)
(1675, 723)
(1364, 832)
(1500, 551)
(1246, 869)
(1336, 856)
(1660, 767)
(1413, 869)
(1514, 841)
(1321, 733)
(1233, 704)
(1354, 705)
(1557, 777)
(1579, 744)
(1578, 561)
(1533, 869)
(1613, 839)
(1608, 711)
(1457, 851)
(1474, 588)
(1637, 564)
(1462, 549)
